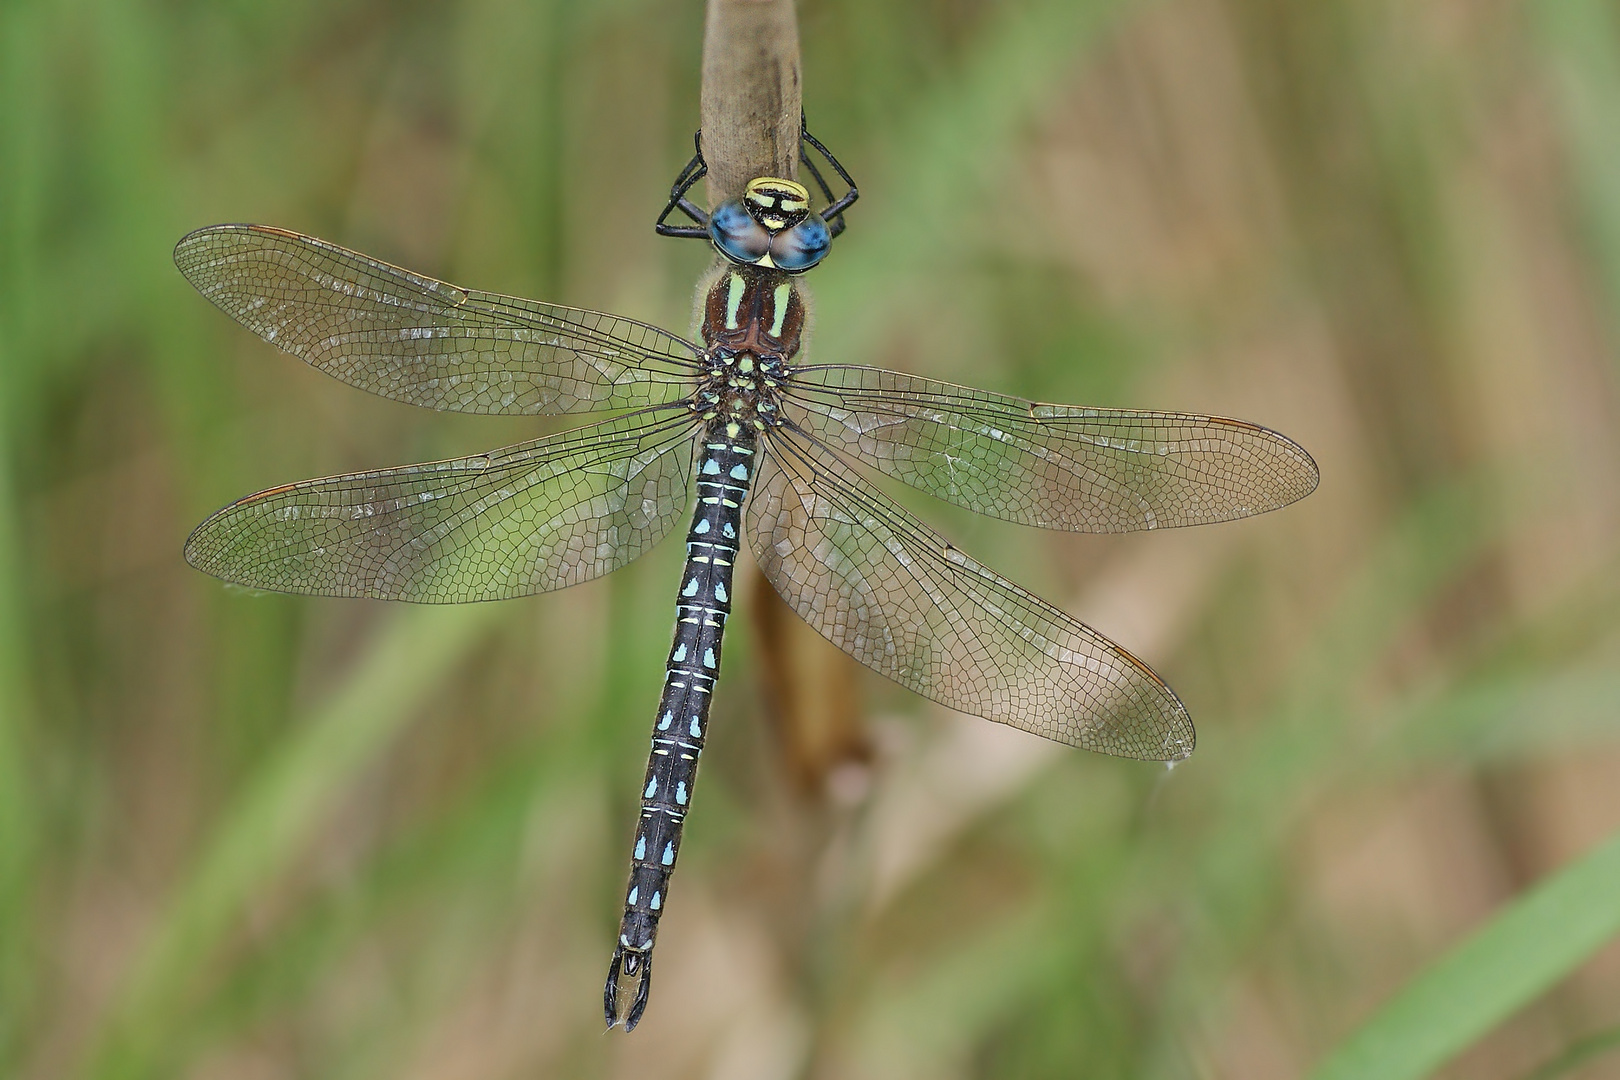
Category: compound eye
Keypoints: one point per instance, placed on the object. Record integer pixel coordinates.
(801, 247)
(737, 235)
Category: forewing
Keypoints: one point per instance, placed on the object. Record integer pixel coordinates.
(425, 342)
(1055, 466)
(896, 596)
(529, 518)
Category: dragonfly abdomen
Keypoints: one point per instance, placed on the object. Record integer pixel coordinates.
(725, 469)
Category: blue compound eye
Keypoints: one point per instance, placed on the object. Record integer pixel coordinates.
(738, 236)
(801, 247)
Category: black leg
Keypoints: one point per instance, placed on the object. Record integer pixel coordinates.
(834, 213)
(695, 170)
(821, 183)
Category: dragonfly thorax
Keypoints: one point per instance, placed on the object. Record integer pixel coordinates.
(753, 309)
(741, 387)
(753, 320)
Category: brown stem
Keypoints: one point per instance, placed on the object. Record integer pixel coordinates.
(751, 93)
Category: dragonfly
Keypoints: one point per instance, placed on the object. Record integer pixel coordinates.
(757, 447)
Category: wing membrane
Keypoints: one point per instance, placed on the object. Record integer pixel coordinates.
(1055, 466)
(897, 597)
(525, 519)
(426, 342)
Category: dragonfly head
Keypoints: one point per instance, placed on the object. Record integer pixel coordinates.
(771, 225)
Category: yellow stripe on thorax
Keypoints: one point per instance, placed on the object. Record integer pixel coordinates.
(734, 295)
(780, 299)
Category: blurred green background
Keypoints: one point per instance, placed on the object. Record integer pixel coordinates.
(255, 837)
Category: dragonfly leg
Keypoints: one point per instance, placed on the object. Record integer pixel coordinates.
(833, 213)
(695, 170)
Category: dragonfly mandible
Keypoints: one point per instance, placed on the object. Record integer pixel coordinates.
(771, 449)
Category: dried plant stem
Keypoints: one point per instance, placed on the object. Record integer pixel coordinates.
(751, 93)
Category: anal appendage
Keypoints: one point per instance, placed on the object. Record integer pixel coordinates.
(629, 979)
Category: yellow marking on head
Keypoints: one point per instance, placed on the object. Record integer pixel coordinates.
(775, 188)
(785, 200)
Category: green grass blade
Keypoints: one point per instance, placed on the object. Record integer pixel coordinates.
(272, 821)
(1593, 1046)
(18, 828)
(1577, 38)
(21, 842)
(1538, 940)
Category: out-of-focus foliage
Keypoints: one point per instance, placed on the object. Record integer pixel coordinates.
(256, 836)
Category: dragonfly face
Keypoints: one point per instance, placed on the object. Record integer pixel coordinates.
(757, 451)
(771, 226)
(775, 203)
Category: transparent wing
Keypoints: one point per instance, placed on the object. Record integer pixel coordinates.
(425, 342)
(897, 597)
(529, 518)
(1056, 466)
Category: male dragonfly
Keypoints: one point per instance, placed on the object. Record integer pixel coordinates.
(776, 451)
